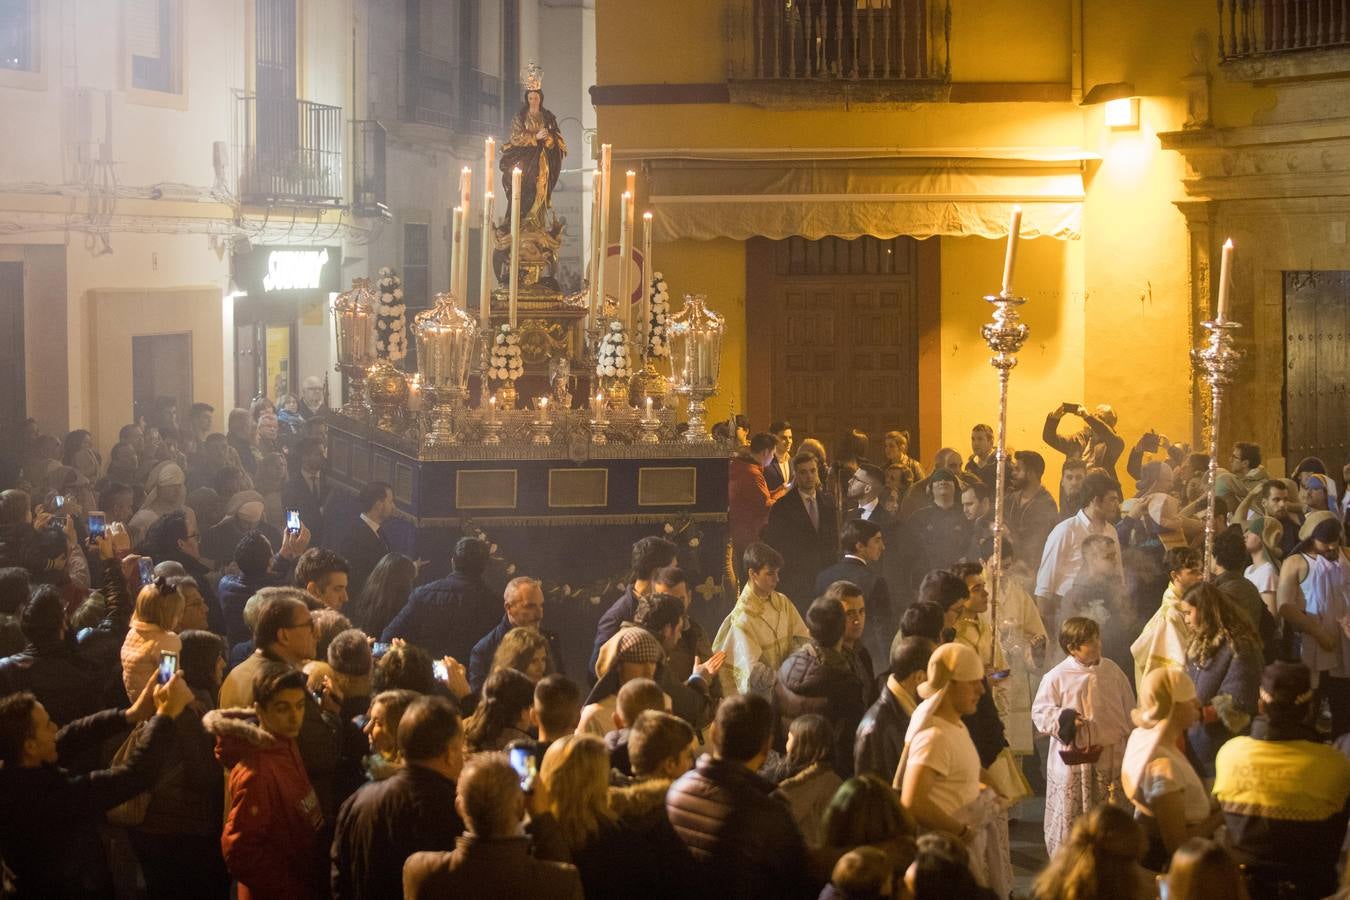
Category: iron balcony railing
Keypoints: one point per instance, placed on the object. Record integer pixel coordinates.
(450, 95)
(1250, 28)
(849, 40)
(368, 171)
(289, 151)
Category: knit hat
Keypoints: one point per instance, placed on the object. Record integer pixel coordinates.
(239, 498)
(1162, 689)
(942, 475)
(1320, 525)
(951, 662)
(637, 645)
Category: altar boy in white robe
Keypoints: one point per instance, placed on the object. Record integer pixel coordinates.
(1084, 702)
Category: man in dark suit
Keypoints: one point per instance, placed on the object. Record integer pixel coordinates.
(307, 487)
(364, 544)
(523, 600)
(867, 490)
(779, 470)
(863, 544)
(802, 528)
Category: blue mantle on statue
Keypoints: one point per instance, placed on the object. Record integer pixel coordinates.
(566, 513)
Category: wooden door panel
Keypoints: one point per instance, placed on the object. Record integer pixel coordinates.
(1317, 387)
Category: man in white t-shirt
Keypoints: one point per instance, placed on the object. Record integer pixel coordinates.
(1062, 557)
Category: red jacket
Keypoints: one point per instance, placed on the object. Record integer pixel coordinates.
(749, 500)
(271, 836)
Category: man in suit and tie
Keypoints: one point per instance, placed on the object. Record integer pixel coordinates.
(365, 545)
(802, 528)
(867, 489)
(779, 470)
(307, 487)
(862, 542)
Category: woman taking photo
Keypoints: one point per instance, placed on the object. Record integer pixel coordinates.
(1171, 801)
(1224, 661)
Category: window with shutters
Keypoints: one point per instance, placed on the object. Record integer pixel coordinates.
(154, 58)
(19, 35)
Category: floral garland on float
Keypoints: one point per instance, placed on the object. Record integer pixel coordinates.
(612, 365)
(391, 323)
(505, 364)
(658, 339)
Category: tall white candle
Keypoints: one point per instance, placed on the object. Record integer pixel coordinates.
(485, 276)
(594, 257)
(1223, 280)
(646, 306)
(489, 161)
(456, 229)
(466, 203)
(630, 182)
(625, 260)
(515, 243)
(649, 409)
(1010, 259)
(602, 252)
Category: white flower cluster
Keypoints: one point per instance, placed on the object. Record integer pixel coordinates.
(391, 323)
(658, 340)
(612, 359)
(506, 363)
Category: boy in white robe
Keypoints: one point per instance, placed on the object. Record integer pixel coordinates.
(1163, 641)
(1083, 701)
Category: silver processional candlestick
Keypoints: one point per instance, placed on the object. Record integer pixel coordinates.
(1217, 362)
(1005, 336)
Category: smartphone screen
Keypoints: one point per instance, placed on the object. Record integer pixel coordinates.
(441, 672)
(168, 664)
(58, 501)
(522, 760)
(379, 648)
(293, 521)
(97, 523)
(147, 570)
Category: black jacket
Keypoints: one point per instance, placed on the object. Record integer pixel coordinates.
(50, 817)
(362, 548)
(882, 618)
(743, 840)
(447, 616)
(819, 680)
(622, 610)
(480, 658)
(385, 822)
(806, 550)
(65, 683)
(297, 494)
(880, 738)
(641, 811)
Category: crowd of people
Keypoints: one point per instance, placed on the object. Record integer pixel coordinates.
(208, 686)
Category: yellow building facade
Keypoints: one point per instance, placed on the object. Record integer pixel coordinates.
(1118, 279)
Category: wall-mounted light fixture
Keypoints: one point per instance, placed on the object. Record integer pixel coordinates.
(1122, 105)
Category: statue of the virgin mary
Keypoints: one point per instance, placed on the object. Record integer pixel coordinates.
(538, 148)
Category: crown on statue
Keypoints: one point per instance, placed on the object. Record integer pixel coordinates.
(533, 76)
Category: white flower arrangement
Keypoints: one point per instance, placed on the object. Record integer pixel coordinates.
(506, 363)
(658, 334)
(612, 359)
(391, 323)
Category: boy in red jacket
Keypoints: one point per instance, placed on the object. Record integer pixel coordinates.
(271, 839)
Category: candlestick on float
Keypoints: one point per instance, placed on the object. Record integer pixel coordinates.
(625, 259)
(466, 203)
(630, 182)
(489, 159)
(456, 216)
(646, 306)
(515, 244)
(593, 304)
(602, 251)
(1217, 361)
(485, 274)
(1010, 257)
(1005, 337)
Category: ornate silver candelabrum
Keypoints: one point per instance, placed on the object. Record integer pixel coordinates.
(1216, 361)
(696, 347)
(446, 341)
(354, 329)
(1005, 337)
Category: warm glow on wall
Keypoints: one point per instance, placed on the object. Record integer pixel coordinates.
(1122, 113)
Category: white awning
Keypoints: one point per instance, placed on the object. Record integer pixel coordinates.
(704, 198)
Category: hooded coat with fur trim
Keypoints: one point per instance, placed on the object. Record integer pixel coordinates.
(271, 839)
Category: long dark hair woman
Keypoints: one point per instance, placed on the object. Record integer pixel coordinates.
(503, 715)
(385, 593)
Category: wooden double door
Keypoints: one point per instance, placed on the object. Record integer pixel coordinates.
(1317, 368)
(841, 321)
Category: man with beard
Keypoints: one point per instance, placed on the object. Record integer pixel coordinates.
(1031, 511)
